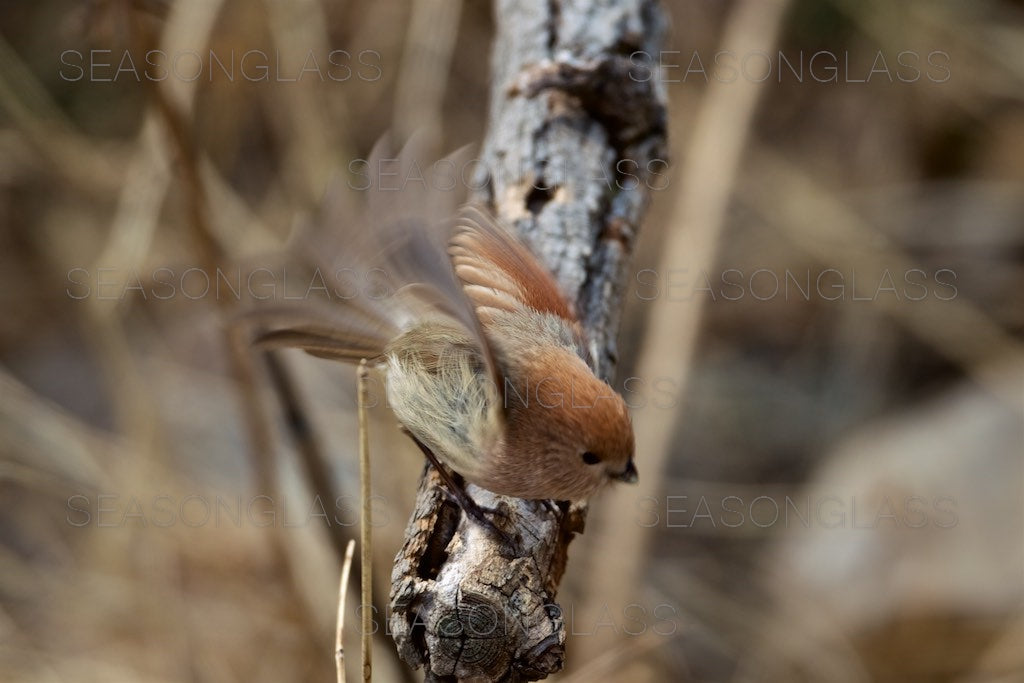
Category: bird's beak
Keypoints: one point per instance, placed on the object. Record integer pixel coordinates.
(628, 475)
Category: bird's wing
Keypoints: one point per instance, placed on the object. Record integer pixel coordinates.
(498, 272)
(394, 252)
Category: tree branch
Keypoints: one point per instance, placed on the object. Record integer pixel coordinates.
(575, 144)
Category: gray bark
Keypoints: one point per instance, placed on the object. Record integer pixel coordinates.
(576, 142)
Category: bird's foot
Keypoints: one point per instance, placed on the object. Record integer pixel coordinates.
(457, 490)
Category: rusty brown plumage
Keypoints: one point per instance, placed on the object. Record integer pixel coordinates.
(483, 355)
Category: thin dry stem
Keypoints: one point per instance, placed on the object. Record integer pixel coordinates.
(339, 649)
(365, 554)
(426, 63)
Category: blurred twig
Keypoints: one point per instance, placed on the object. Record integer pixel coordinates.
(423, 75)
(34, 113)
(314, 462)
(299, 29)
(59, 444)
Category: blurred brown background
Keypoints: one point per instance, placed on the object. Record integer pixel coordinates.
(822, 341)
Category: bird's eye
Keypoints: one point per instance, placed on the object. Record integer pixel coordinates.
(591, 458)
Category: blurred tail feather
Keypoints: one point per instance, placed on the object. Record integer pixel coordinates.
(323, 344)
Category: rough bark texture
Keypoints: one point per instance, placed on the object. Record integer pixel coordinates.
(576, 142)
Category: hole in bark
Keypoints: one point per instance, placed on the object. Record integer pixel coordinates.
(538, 197)
(436, 554)
(418, 633)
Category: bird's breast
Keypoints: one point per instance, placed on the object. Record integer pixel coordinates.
(438, 389)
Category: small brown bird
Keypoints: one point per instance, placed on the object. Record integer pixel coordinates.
(485, 362)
